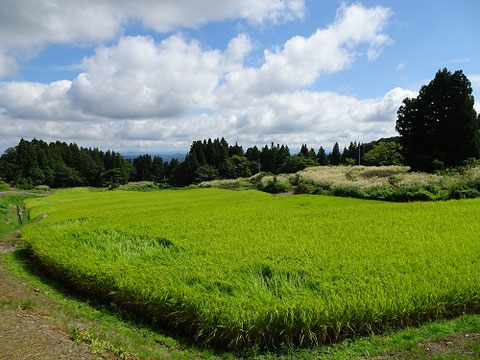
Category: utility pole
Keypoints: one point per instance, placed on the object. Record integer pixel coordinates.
(359, 150)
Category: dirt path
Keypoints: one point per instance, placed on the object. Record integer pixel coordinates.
(17, 192)
(27, 330)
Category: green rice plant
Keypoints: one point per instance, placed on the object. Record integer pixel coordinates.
(244, 269)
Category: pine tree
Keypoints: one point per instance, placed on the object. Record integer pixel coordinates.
(322, 158)
(335, 156)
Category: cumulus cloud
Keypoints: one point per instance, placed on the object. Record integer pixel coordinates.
(317, 118)
(140, 94)
(28, 25)
(8, 65)
(302, 59)
(138, 78)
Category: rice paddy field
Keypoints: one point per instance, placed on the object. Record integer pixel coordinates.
(235, 269)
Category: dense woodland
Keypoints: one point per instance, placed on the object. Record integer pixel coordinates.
(59, 164)
(438, 129)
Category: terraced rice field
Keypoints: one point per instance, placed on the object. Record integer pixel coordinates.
(234, 268)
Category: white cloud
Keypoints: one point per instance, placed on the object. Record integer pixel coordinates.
(24, 100)
(400, 66)
(138, 78)
(140, 94)
(316, 118)
(8, 65)
(27, 26)
(301, 60)
(454, 61)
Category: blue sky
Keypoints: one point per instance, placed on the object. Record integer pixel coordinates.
(411, 41)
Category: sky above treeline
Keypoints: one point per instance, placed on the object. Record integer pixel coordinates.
(152, 76)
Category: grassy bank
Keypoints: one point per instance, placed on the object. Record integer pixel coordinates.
(8, 214)
(388, 183)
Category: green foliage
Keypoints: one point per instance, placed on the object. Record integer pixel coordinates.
(322, 157)
(42, 188)
(4, 186)
(8, 220)
(316, 188)
(384, 154)
(335, 157)
(139, 186)
(440, 123)
(296, 163)
(394, 180)
(206, 173)
(59, 164)
(236, 269)
(351, 175)
(275, 185)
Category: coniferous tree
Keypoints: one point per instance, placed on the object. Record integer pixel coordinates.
(322, 158)
(440, 123)
(335, 156)
(304, 150)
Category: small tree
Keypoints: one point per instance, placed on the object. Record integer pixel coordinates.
(112, 178)
(206, 173)
(384, 153)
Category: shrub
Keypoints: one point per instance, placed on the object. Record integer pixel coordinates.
(275, 185)
(41, 188)
(294, 179)
(139, 186)
(438, 166)
(348, 191)
(4, 186)
(351, 176)
(394, 180)
(306, 186)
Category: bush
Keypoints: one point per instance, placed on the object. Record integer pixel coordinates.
(139, 186)
(294, 179)
(437, 165)
(4, 186)
(305, 186)
(394, 180)
(463, 193)
(348, 191)
(275, 185)
(41, 188)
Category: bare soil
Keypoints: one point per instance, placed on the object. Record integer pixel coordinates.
(27, 329)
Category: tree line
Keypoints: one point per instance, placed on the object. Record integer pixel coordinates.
(58, 164)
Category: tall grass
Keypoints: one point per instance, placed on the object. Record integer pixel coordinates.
(234, 269)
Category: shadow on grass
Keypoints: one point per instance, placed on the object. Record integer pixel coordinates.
(33, 268)
(393, 339)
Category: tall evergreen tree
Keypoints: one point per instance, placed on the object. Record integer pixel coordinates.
(322, 158)
(335, 156)
(440, 123)
(304, 150)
